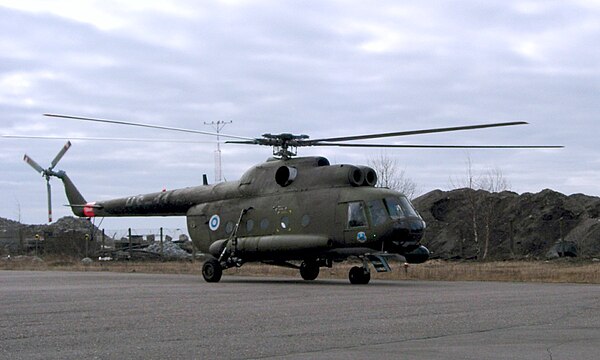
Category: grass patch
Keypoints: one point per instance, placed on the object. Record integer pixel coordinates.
(556, 271)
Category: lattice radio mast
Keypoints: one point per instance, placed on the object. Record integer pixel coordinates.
(218, 126)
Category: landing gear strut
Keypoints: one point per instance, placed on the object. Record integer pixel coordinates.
(309, 270)
(212, 269)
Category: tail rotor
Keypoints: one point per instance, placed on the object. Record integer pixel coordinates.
(47, 173)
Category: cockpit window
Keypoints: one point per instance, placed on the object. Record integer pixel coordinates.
(356, 214)
(407, 207)
(394, 208)
(400, 207)
(378, 213)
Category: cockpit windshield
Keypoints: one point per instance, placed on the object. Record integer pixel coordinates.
(408, 208)
(399, 207)
(378, 213)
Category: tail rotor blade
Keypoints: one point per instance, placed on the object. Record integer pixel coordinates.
(60, 154)
(48, 173)
(33, 164)
(49, 189)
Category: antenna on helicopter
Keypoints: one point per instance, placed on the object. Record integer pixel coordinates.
(47, 173)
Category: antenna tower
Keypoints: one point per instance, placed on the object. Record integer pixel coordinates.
(218, 126)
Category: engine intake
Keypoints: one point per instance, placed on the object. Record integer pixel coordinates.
(285, 175)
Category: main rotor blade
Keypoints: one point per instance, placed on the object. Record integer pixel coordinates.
(250, 142)
(147, 126)
(84, 138)
(443, 146)
(60, 154)
(33, 164)
(49, 189)
(414, 132)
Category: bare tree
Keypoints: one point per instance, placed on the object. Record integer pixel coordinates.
(470, 182)
(481, 213)
(389, 175)
(492, 181)
(20, 226)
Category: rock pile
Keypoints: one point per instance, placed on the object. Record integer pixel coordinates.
(169, 250)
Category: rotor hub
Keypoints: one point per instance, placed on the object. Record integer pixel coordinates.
(284, 145)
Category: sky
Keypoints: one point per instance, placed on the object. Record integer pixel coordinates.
(322, 68)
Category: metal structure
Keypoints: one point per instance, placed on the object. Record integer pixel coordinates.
(218, 126)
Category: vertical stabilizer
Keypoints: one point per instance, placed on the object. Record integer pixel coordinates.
(76, 200)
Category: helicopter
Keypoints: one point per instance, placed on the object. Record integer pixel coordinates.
(298, 212)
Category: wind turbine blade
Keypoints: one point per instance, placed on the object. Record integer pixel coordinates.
(33, 164)
(60, 154)
(49, 189)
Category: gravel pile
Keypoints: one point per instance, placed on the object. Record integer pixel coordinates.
(170, 250)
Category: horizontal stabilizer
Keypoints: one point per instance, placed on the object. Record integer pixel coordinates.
(95, 206)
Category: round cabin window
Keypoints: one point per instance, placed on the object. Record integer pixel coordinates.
(305, 220)
(285, 222)
(229, 227)
(264, 224)
(249, 225)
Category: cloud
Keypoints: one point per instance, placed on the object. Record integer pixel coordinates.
(327, 68)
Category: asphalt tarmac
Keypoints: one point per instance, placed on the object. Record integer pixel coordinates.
(86, 315)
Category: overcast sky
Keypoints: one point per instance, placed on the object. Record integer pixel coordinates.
(322, 68)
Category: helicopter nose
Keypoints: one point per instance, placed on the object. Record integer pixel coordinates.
(406, 235)
(413, 228)
(417, 226)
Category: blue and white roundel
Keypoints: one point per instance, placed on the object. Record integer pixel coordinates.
(214, 222)
(361, 236)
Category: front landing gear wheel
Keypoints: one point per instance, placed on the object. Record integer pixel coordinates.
(309, 270)
(212, 271)
(359, 275)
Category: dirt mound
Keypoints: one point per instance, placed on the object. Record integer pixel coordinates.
(466, 223)
(65, 236)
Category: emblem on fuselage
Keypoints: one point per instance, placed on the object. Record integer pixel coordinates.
(214, 222)
(361, 236)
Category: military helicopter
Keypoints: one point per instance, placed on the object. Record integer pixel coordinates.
(289, 209)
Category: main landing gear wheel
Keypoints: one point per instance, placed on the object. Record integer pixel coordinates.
(309, 270)
(359, 275)
(212, 271)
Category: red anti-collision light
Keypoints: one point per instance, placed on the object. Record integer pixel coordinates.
(88, 209)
